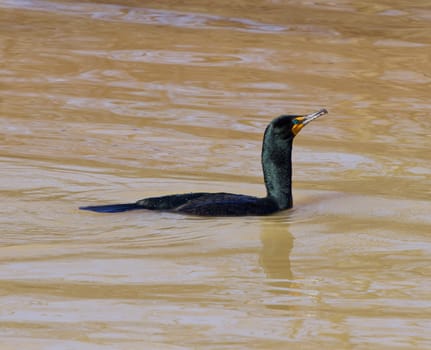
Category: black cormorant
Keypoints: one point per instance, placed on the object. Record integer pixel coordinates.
(277, 171)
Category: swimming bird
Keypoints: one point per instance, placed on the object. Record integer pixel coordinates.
(277, 170)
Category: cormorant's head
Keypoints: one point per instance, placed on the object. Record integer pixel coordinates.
(286, 127)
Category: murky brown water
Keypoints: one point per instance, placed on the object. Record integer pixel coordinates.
(105, 103)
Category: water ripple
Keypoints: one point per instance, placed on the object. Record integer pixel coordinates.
(117, 13)
(257, 57)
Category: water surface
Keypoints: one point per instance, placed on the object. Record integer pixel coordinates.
(109, 101)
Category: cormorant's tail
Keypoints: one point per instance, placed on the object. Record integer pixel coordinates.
(112, 208)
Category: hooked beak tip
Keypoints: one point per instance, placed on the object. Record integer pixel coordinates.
(314, 116)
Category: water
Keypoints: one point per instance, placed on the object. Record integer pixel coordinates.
(104, 103)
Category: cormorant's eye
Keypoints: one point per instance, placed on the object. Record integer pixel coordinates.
(295, 121)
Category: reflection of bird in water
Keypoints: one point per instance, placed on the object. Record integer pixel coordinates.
(277, 243)
(277, 170)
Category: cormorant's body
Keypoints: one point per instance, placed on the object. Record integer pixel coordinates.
(277, 170)
(198, 203)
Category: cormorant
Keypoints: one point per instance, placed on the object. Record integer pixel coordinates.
(277, 171)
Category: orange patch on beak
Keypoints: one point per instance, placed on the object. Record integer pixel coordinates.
(297, 126)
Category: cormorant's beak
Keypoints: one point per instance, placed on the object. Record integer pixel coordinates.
(301, 121)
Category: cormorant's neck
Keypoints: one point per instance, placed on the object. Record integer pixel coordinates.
(277, 171)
